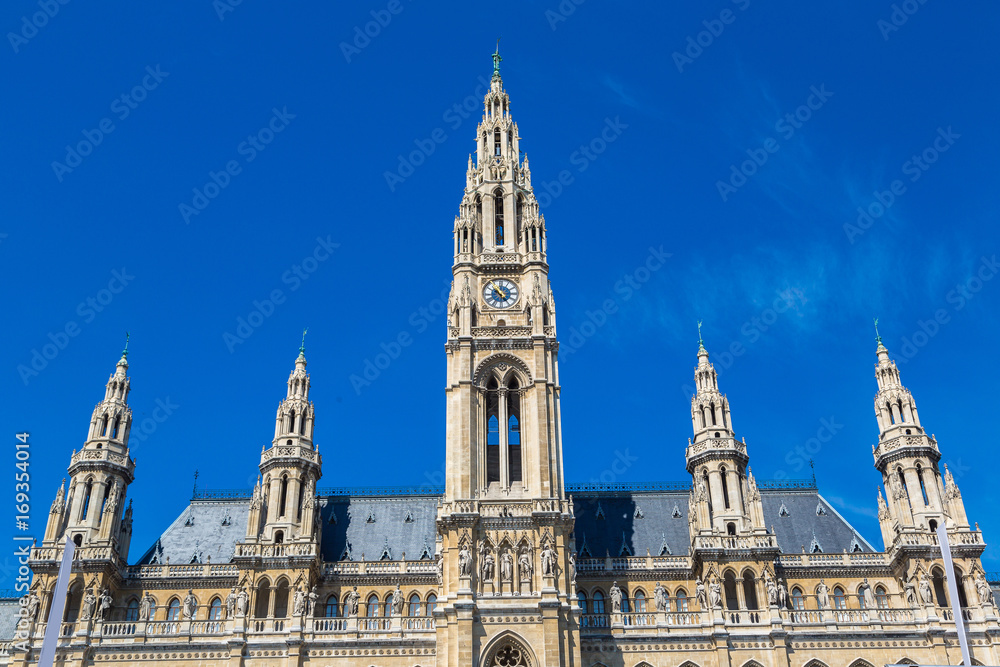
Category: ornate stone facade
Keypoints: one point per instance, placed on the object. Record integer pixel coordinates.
(508, 565)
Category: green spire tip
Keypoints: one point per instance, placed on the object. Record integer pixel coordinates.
(496, 61)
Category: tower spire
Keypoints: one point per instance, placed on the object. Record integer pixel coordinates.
(701, 343)
(302, 347)
(496, 61)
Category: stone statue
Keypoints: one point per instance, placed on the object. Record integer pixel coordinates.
(506, 566)
(351, 602)
(106, 602)
(660, 597)
(572, 566)
(89, 602)
(299, 602)
(782, 595)
(772, 589)
(440, 569)
(190, 605)
(866, 595)
(983, 589)
(397, 602)
(32, 606)
(926, 594)
(524, 566)
(715, 592)
(823, 595)
(231, 603)
(616, 598)
(242, 603)
(699, 592)
(702, 492)
(311, 602)
(464, 562)
(488, 566)
(146, 607)
(109, 507)
(910, 590)
(548, 561)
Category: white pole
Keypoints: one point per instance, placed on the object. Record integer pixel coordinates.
(956, 608)
(54, 625)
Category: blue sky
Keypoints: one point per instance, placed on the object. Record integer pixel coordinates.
(294, 122)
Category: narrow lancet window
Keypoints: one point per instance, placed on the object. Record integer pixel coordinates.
(492, 432)
(514, 431)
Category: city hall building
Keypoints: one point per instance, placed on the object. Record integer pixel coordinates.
(508, 565)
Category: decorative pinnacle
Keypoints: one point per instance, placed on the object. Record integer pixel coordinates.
(701, 343)
(194, 491)
(302, 348)
(496, 61)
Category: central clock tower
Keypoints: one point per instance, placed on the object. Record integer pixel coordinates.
(505, 525)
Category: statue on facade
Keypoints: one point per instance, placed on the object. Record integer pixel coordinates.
(488, 566)
(782, 595)
(190, 605)
(910, 590)
(572, 566)
(715, 592)
(702, 492)
(548, 561)
(660, 597)
(147, 605)
(87, 609)
(242, 603)
(32, 606)
(440, 569)
(106, 602)
(823, 595)
(926, 594)
(524, 565)
(699, 592)
(616, 598)
(299, 602)
(397, 602)
(311, 602)
(351, 602)
(772, 589)
(866, 595)
(464, 562)
(231, 603)
(506, 566)
(983, 589)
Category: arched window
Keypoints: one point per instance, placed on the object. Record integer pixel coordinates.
(598, 602)
(730, 528)
(839, 599)
(132, 610)
(749, 590)
(330, 610)
(281, 599)
(492, 431)
(729, 584)
(902, 483)
(937, 577)
(798, 600)
(281, 495)
(118, 422)
(263, 598)
(723, 473)
(414, 605)
(78, 540)
(581, 601)
(174, 610)
(291, 422)
(73, 599)
(932, 524)
(86, 500)
(534, 240)
(279, 537)
(960, 584)
(215, 609)
(498, 217)
(681, 601)
(104, 501)
(387, 609)
(923, 488)
(496, 142)
(372, 608)
(432, 601)
(881, 597)
(302, 424)
(104, 426)
(514, 431)
(640, 602)
(626, 607)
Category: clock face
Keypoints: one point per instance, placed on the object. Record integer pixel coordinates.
(500, 293)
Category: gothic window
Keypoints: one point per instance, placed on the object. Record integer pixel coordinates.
(749, 590)
(414, 605)
(640, 602)
(114, 432)
(215, 610)
(431, 604)
(681, 601)
(302, 424)
(881, 597)
(598, 602)
(581, 601)
(510, 654)
(492, 432)
(465, 240)
(923, 488)
(962, 602)
(730, 528)
(78, 540)
(932, 525)
(291, 422)
(279, 537)
(263, 598)
(514, 431)
(496, 142)
(281, 495)
(387, 609)
(626, 608)
(723, 474)
(534, 240)
(86, 500)
(498, 217)
(174, 610)
(73, 600)
(712, 409)
(839, 599)
(372, 607)
(729, 584)
(281, 599)
(132, 610)
(798, 600)
(104, 426)
(104, 500)
(330, 611)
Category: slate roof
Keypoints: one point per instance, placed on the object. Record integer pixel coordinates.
(623, 520)
(8, 617)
